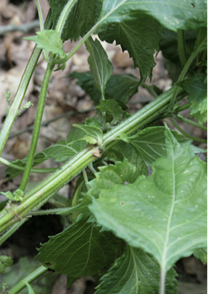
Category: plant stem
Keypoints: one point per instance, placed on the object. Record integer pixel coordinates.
(47, 211)
(181, 47)
(22, 168)
(92, 168)
(162, 282)
(12, 230)
(29, 279)
(186, 134)
(41, 22)
(64, 15)
(191, 122)
(184, 71)
(36, 197)
(85, 178)
(14, 109)
(150, 89)
(37, 126)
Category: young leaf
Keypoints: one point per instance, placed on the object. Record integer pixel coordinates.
(80, 250)
(112, 108)
(93, 135)
(50, 41)
(119, 87)
(197, 90)
(4, 262)
(80, 20)
(165, 213)
(61, 151)
(100, 65)
(135, 272)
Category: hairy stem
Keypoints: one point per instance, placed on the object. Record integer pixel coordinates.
(40, 194)
(37, 126)
(150, 89)
(14, 108)
(29, 279)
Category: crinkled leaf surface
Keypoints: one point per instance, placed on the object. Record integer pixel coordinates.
(197, 90)
(83, 16)
(48, 40)
(136, 272)
(94, 135)
(201, 254)
(140, 36)
(165, 213)
(100, 65)
(119, 87)
(112, 108)
(80, 250)
(61, 151)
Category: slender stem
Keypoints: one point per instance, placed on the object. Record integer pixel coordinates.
(22, 168)
(162, 282)
(91, 167)
(150, 89)
(64, 15)
(85, 178)
(186, 134)
(37, 126)
(181, 47)
(57, 203)
(41, 22)
(29, 279)
(12, 230)
(184, 71)
(47, 211)
(182, 107)
(14, 109)
(191, 122)
(40, 194)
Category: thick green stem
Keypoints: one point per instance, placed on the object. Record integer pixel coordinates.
(191, 122)
(184, 71)
(36, 197)
(29, 279)
(14, 108)
(37, 126)
(181, 47)
(12, 230)
(22, 168)
(186, 134)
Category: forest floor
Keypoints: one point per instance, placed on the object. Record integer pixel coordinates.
(67, 102)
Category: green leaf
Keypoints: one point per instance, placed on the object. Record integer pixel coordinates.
(183, 14)
(48, 40)
(119, 87)
(150, 143)
(30, 289)
(112, 108)
(93, 135)
(163, 214)
(197, 90)
(61, 151)
(81, 249)
(140, 36)
(100, 65)
(135, 272)
(4, 262)
(201, 254)
(80, 20)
